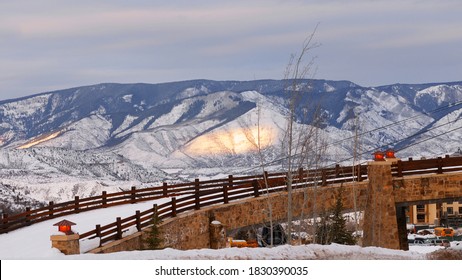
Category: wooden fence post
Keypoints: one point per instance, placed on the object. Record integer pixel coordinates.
(164, 189)
(300, 174)
(155, 208)
(359, 174)
(225, 189)
(138, 220)
(76, 204)
(266, 184)
(50, 208)
(98, 233)
(5, 221)
(337, 171)
(133, 195)
(98, 230)
(324, 178)
(28, 216)
(400, 168)
(173, 206)
(440, 166)
(119, 227)
(256, 193)
(196, 195)
(104, 199)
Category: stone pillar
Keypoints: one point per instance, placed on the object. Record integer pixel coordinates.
(402, 229)
(67, 244)
(380, 222)
(217, 235)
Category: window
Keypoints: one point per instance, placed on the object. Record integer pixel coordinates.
(450, 210)
(460, 210)
(421, 218)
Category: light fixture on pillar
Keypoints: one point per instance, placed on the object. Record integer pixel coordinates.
(379, 156)
(65, 226)
(390, 153)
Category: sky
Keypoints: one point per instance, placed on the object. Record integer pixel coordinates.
(49, 44)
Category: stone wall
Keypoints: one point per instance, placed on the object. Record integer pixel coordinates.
(382, 197)
(427, 188)
(129, 243)
(193, 231)
(380, 224)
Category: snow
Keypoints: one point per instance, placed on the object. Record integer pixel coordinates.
(25, 107)
(24, 247)
(328, 88)
(129, 119)
(82, 135)
(33, 242)
(165, 144)
(128, 98)
(439, 94)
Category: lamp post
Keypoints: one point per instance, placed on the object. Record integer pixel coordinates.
(68, 243)
(379, 156)
(65, 226)
(390, 153)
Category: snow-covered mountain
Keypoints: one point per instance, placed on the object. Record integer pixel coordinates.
(83, 140)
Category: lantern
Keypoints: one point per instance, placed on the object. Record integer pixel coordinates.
(65, 226)
(379, 156)
(390, 153)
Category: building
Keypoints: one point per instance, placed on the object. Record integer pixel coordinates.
(437, 214)
(423, 214)
(451, 214)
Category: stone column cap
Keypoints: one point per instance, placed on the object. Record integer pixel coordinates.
(62, 237)
(382, 162)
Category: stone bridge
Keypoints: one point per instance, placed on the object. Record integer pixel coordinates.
(383, 199)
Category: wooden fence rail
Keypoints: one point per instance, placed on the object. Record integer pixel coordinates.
(223, 193)
(438, 165)
(194, 195)
(135, 195)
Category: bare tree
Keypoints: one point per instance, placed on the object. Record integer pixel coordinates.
(298, 70)
(256, 142)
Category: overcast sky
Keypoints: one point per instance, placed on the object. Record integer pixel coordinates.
(55, 44)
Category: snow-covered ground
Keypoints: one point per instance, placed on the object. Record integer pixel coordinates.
(31, 247)
(33, 243)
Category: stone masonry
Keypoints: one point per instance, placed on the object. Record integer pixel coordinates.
(380, 224)
(382, 197)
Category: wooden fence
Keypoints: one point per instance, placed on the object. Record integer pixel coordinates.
(276, 180)
(438, 165)
(195, 195)
(222, 192)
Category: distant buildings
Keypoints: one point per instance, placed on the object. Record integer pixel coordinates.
(438, 214)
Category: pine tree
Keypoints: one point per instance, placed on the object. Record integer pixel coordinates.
(332, 227)
(154, 239)
(338, 231)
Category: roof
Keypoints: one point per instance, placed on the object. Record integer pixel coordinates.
(65, 223)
